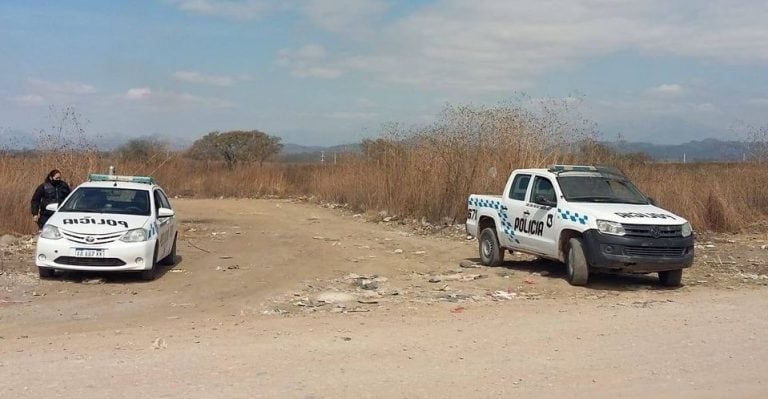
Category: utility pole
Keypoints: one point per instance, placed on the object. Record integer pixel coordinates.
(322, 157)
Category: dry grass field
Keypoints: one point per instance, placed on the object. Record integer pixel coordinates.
(419, 173)
(415, 183)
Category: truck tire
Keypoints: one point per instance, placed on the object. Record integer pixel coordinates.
(671, 278)
(578, 269)
(491, 253)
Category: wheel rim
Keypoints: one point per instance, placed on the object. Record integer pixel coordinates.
(487, 248)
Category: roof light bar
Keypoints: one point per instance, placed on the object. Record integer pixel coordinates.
(116, 178)
(606, 170)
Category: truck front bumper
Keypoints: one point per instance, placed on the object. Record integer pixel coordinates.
(637, 254)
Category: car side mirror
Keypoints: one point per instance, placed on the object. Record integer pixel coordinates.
(52, 207)
(651, 201)
(165, 213)
(541, 200)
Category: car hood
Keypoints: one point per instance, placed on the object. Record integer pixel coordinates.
(96, 223)
(627, 213)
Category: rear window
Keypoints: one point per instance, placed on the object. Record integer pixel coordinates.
(108, 200)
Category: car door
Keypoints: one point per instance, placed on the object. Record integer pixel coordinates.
(539, 224)
(165, 225)
(513, 207)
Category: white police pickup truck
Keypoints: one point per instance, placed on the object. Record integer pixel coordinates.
(590, 218)
(109, 223)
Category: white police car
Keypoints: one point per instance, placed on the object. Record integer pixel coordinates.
(109, 223)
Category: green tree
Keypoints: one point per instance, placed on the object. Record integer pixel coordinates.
(142, 149)
(236, 147)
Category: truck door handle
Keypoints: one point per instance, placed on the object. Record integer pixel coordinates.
(526, 213)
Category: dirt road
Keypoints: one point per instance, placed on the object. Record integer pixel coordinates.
(277, 298)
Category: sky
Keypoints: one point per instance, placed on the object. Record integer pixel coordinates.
(326, 72)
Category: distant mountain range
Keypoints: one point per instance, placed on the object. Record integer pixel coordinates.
(699, 150)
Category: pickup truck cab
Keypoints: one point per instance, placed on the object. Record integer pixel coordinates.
(109, 223)
(588, 217)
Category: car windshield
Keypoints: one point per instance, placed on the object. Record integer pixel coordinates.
(600, 189)
(108, 200)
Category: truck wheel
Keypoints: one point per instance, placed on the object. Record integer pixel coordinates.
(491, 253)
(151, 273)
(45, 272)
(671, 278)
(578, 270)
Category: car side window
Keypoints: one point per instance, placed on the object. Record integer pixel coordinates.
(164, 200)
(543, 192)
(158, 200)
(519, 187)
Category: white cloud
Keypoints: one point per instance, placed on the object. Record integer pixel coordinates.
(343, 15)
(164, 98)
(758, 102)
(507, 44)
(665, 90)
(29, 100)
(243, 10)
(309, 61)
(67, 88)
(351, 115)
(197, 77)
(138, 93)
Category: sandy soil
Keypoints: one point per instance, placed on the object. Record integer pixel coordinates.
(280, 298)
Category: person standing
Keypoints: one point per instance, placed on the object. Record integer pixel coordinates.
(53, 191)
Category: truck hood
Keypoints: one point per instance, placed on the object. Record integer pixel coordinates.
(626, 213)
(96, 223)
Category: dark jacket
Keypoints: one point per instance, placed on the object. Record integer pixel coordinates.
(48, 193)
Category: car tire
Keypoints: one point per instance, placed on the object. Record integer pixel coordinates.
(46, 272)
(578, 269)
(491, 253)
(151, 273)
(671, 278)
(170, 260)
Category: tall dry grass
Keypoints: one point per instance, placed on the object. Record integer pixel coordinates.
(424, 172)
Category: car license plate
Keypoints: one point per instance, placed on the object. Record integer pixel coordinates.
(89, 253)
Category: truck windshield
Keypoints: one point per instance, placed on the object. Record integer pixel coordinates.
(600, 189)
(108, 200)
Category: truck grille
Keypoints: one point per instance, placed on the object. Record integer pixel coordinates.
(654, 251)
(91, 239)
(653, 230)
(76, 261)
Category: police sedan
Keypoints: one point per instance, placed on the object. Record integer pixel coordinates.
(109, 223)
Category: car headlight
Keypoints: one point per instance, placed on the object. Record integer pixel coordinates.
(135, 235)
(686, 229)
(608, 227)
(50, 232)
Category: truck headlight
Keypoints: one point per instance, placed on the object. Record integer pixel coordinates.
(608, 227)
(50, 232)
(135, 235)
(686, 229)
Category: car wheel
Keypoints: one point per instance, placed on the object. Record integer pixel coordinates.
(671, 278)
(151, 273)
(170, 260)
(491, 253)
(46, 272)
(578, 269)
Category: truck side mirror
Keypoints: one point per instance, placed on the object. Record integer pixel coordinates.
(52, 207)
